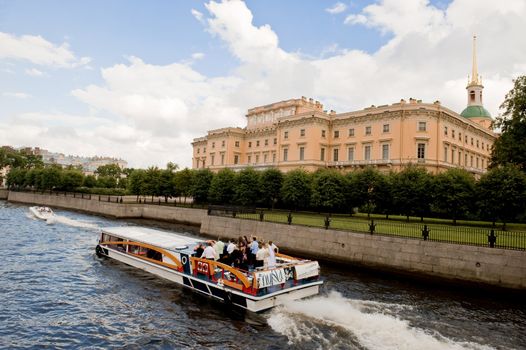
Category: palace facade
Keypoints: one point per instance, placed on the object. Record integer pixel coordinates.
(299, 133)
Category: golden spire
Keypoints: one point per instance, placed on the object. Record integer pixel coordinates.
(474, 70)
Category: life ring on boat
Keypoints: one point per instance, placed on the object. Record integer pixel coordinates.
(98, 251)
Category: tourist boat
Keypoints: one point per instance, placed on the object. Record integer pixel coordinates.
(43, 213)
(172, 257)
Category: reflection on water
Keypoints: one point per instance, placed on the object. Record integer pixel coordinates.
(56, 293)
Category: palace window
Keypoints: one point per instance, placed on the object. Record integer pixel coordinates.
(386, 128)
(472, 141)
(322, 154)
(223, 143)
(465, 160)
(302, 153)
(460, 136)
(452, 156)
(323, 133)
(459, 157)
(285, 154)
(367, 152)
(222, 159)
(453, 133)
(249, 144)
(335, 155)
(265, 156)
(257, 158)
(445, 130)
(471, 161)
(487, 147)
(477, 162)
(336, 134)
(275, 141)
(466, 139)
(477, 143)
(273, 157)
(385, 152)
(445, 153)
(367, 130)
(421, 151)
(198, 150)
(350, 153)
(249, 159)
(237, 143)
(204, 149)
(214, 145)
(257, 143)
(266, 142)
(286, 135)
(351, 132)
(422, 126)
(212, 159)
(302, 132)
(236, 159)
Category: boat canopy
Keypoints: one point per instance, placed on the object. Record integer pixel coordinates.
(156, 238)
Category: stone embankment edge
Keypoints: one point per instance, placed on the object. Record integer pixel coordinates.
(490, 266)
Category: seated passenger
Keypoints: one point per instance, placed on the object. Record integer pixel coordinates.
(199, 250)
(209, 252)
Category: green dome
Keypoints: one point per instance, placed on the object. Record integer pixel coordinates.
(475, 112)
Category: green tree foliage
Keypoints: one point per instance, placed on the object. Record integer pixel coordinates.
(368, 188)
(106, 182)
(502, 193)
(19, 159)
(510, 147)
(150, 185)
(51, 178)
(166, 187)
(222, 187)
(327, 191)
(247, 187)
(135, 182)
(112, 170)
(16, 178)
(183, 182)
(454, 193)
(411, 192)
(200, 187)
(271, 182)
(296, 189)
(71, 179)
(90, 181)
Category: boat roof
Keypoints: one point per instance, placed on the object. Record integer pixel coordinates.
(156, 238)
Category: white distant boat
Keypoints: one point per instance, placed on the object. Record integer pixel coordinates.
(173, 257)
(43, 213)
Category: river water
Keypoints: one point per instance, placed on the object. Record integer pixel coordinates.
(55, 293)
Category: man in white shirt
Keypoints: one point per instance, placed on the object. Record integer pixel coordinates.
(209, 252)
(219, 247)
(231, 246)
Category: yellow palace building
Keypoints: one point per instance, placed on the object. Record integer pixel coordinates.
(298, 133)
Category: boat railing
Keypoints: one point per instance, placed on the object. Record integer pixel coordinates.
(208, 267)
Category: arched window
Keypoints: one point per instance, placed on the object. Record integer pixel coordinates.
(472, 96)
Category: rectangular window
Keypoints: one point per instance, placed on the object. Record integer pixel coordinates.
(273, 157)
(286, 135)
(482, 161)
(302, 132)
(257, 143)
(237, 143)
(421, 152)
(236, 159)
(214, 145)
(477, 162)
(204, 149)
(351, 132)
(302, 153)
(367, 130)
(471, 161)
(466, 139)
(223, 143)
(336, 134)
(477, 143)
(212, 159)
(367, 153)
(249, 144)
(472, 141)
(459, 157)
(198, 150)
(483, 146)
(265, 158)
(285, 154)
(322, 154)
(422, 126)
(266, 142)
(323, 133)
(275, 141)
(452, 156)
(465, 160)
(257, 158)
(487, 147)
(350, 154)
(453, 133)
(222, 159)
(249, 159)
(385, 152)
(460, 136)
(386, 128)
(335, 155)
(445, 130)
(445, 154)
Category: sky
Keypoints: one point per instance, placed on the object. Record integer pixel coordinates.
(139, 80)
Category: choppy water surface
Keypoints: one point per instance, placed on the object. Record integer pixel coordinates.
(56, 293)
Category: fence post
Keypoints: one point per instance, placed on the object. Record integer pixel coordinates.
(372, 227)
(234, 213)
(99, 197)
(492, 239)
(109, 198)
(121, 199)
(159, 201)
(208, 211)
(289, 218)
(327, 221)
(425, 232)
(261, 215)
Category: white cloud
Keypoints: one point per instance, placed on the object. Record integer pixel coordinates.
(355, 19)
(198, 15)
(336, 8)
(34, 72)
(198, 55)
(39, 51)
(21, 95)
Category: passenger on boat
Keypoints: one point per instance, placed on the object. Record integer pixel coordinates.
(271, 261)
(199, 250)
(254, 247)
(219, 247)
(261, 255)
(236, 257)
(230, 247)
(209, 252)
(273, 246)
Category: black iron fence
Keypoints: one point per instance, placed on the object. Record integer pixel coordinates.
(438, 232)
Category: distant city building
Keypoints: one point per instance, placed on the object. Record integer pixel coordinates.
(299, 133)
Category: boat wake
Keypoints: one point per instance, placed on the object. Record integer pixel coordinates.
(333, 321)
(71, 222)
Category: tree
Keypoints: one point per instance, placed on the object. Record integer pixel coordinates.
(247, 187)
(172, 167)
(369, 188)
(222, 187)
(328, 189)
(112, 170)
(271, 182)
(200, 187)
(502, 193)
(411, 191)
(454, 193)
(150, 185)
(71, 179)
(510, 147)
(296, 189)
(51, 177)
(106, 181)
(183, 182)
(166, 184)
(16, 178)
(89, 181)
(135, 182)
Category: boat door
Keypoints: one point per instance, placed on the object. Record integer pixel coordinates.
(185, 261)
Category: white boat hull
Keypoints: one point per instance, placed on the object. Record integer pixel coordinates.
(42, 215)
(219, 292)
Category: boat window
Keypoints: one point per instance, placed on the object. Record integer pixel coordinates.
(153, 254)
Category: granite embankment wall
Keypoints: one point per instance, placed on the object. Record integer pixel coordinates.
(116, 210)
(499, 267)
(3, 193)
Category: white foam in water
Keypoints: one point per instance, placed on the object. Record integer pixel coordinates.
(372, 328)
(70, 222)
